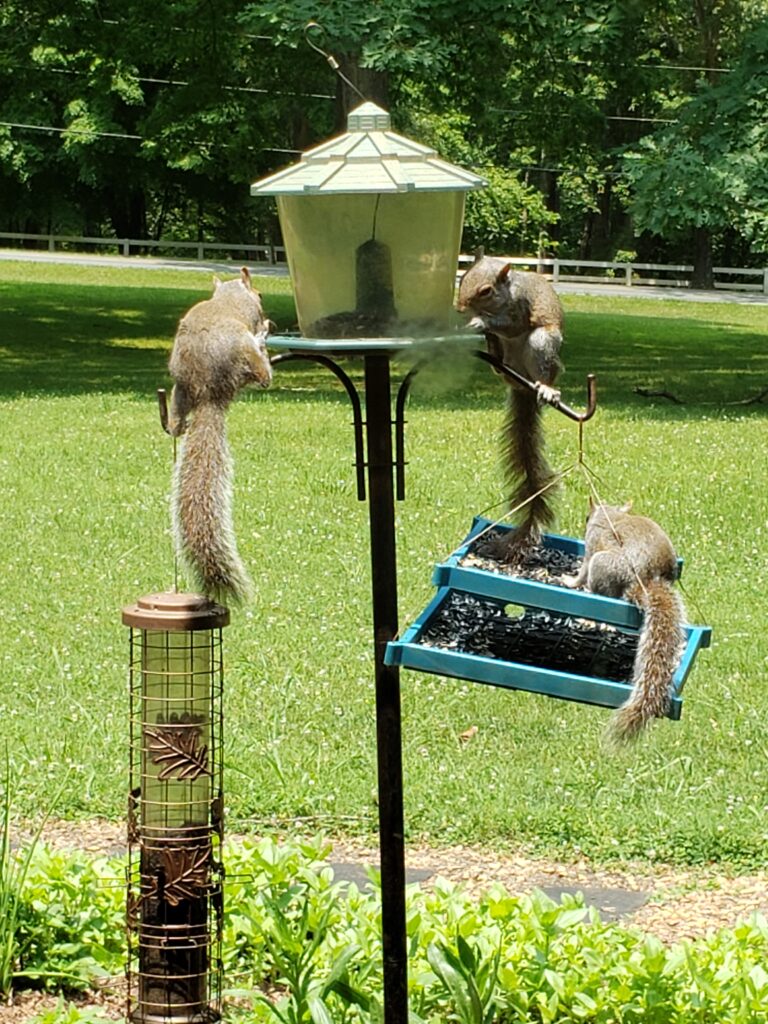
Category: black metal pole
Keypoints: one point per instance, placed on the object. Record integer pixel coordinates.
(381, 508)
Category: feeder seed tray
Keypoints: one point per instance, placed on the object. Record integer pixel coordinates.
(500, 627)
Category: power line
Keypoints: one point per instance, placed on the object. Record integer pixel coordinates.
(642, 120)
(651, 67)
(182, 83)
(69, 131)
(684, 67)
(517, 112)
(55, 130)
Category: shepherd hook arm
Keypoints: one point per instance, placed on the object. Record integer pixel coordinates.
(566, 410)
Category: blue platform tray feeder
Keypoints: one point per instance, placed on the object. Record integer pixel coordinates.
(530, 634)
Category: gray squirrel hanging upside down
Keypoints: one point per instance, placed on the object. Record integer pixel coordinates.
(522, 319)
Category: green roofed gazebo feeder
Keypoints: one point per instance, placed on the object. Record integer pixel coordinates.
(372, 226)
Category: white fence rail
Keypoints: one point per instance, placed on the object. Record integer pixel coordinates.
(677, 275)
(129, 246)
(674, 275)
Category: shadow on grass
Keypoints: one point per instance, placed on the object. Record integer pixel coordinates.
(60, 339)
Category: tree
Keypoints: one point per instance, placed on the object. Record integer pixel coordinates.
(150, 112)
(709, 172)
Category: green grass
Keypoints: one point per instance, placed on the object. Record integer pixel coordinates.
(85, 473)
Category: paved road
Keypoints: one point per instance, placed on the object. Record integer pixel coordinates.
(280, 270)
(146, 262)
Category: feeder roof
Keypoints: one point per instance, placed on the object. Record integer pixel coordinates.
(369, 157)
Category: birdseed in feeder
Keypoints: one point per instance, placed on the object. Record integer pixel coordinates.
(542, 563)
(538, 638)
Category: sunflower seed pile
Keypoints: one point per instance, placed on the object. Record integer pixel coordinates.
(539, 638)
(542, 564)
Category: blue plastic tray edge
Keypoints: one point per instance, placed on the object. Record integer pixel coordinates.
(407, 652)
(518, 590)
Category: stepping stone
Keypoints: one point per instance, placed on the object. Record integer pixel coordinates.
(611, 904)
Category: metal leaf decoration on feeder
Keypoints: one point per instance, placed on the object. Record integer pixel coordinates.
(180, 752)
(186, 875)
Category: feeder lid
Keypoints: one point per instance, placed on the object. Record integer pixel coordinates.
(175, 612)
(370, 157)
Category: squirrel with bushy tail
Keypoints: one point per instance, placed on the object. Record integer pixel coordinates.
(522, 319)
(220, 348)
(629, 556)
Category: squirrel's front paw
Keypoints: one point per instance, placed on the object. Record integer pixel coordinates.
(547, 395)
(476, 324)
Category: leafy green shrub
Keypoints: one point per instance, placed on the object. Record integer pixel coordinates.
(71, 925)
(300, 948)
(16, 871)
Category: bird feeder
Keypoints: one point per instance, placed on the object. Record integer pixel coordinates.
(527, 632)
(372, 224)
(175, 815)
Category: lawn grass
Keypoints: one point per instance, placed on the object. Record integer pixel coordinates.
(85, 473)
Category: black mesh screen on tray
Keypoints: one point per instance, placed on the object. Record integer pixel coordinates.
(538, 638)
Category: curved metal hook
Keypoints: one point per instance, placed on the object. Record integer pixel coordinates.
(315, 26)
(402, 397)
(518, 378)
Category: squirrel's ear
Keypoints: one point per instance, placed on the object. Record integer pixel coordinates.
(503, 274)
(245, 276)
(479, 253)
(626, 507)
(216, 282)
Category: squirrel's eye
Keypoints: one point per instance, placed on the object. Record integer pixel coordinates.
(485, 291)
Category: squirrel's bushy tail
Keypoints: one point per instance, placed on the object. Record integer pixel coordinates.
(202, 508)
(658, 654)
(525, 466)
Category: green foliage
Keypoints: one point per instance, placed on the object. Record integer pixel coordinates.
(709, 170)
(71, 1013)
(508, 216)
(301, 948)
(145, 119)
(70, 931)
(17, 875)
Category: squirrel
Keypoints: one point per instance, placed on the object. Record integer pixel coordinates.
(630, 556)
(522, 319)
(219, 348)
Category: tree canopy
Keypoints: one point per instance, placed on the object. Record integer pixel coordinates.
(601, 125)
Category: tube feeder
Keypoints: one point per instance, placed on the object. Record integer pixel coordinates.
(175, 824)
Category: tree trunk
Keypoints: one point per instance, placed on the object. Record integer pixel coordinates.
(128, 214)
(551, 189)
(703, 273)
